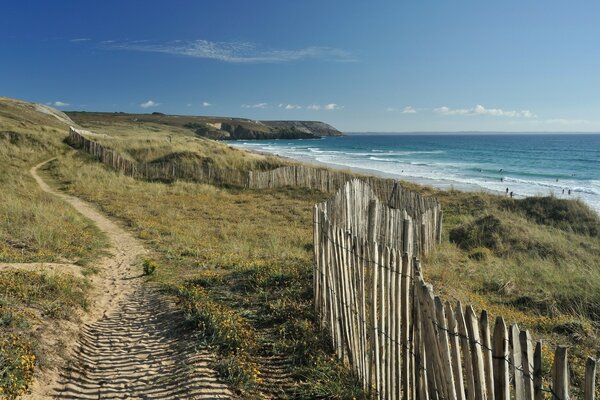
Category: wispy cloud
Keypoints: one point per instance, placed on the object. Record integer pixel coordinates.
(289, 106)
(149, 104)
(409, 110)
(233, 52)
(80, 40)
(58, 103)
(206, 104)
(326, 107)
(257, 105)
(481, 110)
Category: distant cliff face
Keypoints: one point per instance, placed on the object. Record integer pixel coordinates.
(277, 130)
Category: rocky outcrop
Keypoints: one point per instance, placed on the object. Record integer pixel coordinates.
(309, 128)
(250, 130)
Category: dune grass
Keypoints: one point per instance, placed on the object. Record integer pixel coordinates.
(35, 227)
(233, 246)
(154, 142)
(239, 261)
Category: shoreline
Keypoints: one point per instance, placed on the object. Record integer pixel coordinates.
(367, 171)
(521, 189)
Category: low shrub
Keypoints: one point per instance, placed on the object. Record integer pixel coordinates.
(149, 267)
(486, 232)
(567, 215)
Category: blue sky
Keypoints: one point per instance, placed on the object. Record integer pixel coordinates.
(361, 66)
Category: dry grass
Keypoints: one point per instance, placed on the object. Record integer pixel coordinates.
(35, 227)
(239, 261)
(154, 142)
(249, 254)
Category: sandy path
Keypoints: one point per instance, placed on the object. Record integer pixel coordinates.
(129, 345)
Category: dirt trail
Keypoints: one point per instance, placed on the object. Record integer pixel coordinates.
(130, 345)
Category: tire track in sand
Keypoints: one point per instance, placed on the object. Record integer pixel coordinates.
(130, 345)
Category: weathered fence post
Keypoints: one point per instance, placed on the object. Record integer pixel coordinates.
(590, 379)
(501, 355)
(560, 375)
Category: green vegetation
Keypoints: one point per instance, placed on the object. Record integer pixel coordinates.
(239, 263)
(567, 215)
(539, 273)
(149, 267)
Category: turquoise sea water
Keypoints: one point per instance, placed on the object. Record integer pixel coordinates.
(526, 164)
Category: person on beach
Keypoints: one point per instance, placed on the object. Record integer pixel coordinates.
(511, 195)
(569, 192)
(506, 190)
(563, 191)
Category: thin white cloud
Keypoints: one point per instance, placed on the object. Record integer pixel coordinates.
(233, 52)
(58, 103)
(390, 109)
(481, 110)
(80, 40)
(257, 105)
(292, 107)
(206, 104)
(149, 104)
(326, 107)
(409, 110)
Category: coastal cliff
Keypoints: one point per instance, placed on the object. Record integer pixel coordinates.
(218, 128)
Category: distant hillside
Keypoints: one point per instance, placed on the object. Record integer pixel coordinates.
(221, 128)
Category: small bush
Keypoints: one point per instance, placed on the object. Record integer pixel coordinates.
(487, 232)
(480, 254)
(218, 325)
(566, 215)
(149, 267)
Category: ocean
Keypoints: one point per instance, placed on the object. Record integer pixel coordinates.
(526, 164)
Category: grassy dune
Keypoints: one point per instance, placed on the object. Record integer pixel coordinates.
(155, 142)
(235, 247)
(240, 264)
(239, 261)
(35, 227)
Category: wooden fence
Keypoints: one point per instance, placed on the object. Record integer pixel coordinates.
(426, 212)
(163, 171)
(402, 341)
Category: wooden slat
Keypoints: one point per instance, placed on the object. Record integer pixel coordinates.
(466, 350)
(487, 354)
(517, 364)
(538, 394)
(476, 353)
(444, 346)
(528, 367)
(501, 357)
(590, 379)
(455, 353)
(560, 375)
